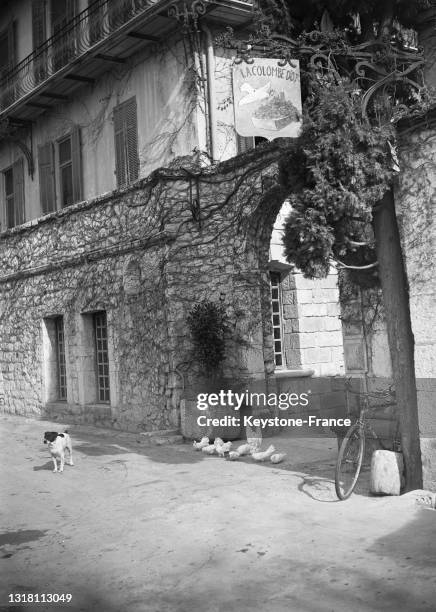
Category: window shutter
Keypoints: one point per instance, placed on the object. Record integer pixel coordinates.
(46, 178)
(244, 143)
(39, 25)
(120, 158)
(76, 159)
(126, 142)
(18, 173)
(132, 140)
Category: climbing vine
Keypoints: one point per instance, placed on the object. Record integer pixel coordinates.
(207, 323)
(359, 77)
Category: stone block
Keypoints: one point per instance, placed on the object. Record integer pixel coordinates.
(304, 296)
(386, 473)
(333, 309)
(291, 326)
(315, 355)
(290, 311)
(313, 310)
(293, 357)
(312, 324)
(333, 324)
(308, 340)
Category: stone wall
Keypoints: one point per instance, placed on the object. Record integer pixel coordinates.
(144, 255)
(415, 201)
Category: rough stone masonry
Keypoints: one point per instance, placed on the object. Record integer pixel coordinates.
(144, 255)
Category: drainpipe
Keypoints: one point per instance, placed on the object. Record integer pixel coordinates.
(211, 93)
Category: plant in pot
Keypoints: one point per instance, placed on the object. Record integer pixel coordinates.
(208, 325)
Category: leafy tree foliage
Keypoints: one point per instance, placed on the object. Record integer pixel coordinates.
(345, 158)
(342, 169)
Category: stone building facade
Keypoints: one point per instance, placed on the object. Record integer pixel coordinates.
(126, 197)
(115, 223)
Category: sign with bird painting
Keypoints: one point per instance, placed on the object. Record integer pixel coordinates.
(267, 98)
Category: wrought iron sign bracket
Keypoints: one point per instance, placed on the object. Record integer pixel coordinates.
(188, 14)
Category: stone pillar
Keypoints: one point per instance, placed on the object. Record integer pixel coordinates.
(415, 202)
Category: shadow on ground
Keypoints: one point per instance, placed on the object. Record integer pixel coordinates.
(413, 544)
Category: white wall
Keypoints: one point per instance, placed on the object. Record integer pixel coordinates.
(167, 119)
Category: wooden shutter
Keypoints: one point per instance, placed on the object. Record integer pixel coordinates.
(120, 157)
(132, 140)
(18, 174)
(46, 178)
(126, 142)
(76, 160)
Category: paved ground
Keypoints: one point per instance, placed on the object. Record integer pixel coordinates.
(165, 529)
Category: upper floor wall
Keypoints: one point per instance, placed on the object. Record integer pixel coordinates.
(93, 110)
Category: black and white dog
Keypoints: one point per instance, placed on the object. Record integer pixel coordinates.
(57, 443)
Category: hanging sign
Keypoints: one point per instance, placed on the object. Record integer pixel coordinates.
(267, 99)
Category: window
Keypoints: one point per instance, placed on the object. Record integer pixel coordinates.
(70, 169)
(64, 44)
(7, 61)
(7, 49)
(276, 303)
(126, 142)
(102, 356)
(55, 368)
(39, 36)
(47, 192)
(14, 194)
(60, 359)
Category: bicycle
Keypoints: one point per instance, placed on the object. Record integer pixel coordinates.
(352, 449)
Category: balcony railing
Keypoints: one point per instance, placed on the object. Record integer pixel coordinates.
(86, 32)
(70, 41)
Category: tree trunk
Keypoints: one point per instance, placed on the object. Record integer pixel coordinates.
(401, 343)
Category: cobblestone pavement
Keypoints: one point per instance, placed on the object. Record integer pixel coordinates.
(145, 528)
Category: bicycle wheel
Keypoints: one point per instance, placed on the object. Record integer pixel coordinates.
(349, 461)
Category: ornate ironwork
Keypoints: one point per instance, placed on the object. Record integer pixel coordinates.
(85, 32)
(189, 13)
(376, 63)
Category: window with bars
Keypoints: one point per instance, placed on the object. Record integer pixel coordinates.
(126, 142)
(14, 194)
(60, 359)
(70, 168)
(277, 322)
(102, 356)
